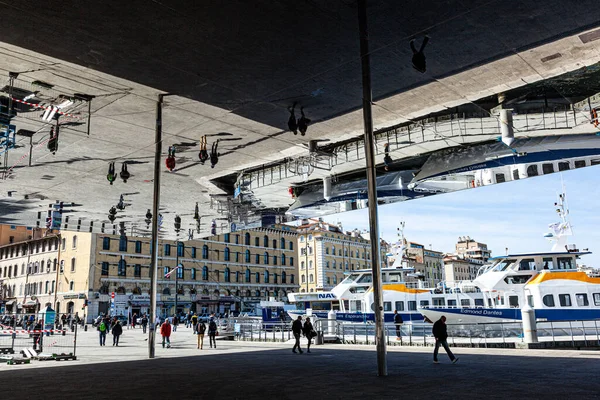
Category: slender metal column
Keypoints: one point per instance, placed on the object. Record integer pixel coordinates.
(154, 247)
(372, 189)
(176, 272)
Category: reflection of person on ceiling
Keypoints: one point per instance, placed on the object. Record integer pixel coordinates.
(303, 122)
(203, 155)
(111, 173)
(418, 58)
(387, 160)
(214, 154)
(53, 141)
(292, 123)
(124, 173)
(170, 161)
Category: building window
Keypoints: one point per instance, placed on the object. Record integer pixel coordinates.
(303, 278)
(122, 271)
(291, 278)
(205, 252)
(302, 265)
(237, 256)
(63, 244)
(326, 250)
(247, 277)
(137, 270)
(291, 261)
(227, 275)
(266, 276)
(274, 260)
(226, 238)
(71, 286)
(226, 255)
(105, 243)
(283, 259)
(334, 264)
(328, 280)
(257, 259)
(265, 241)
(237, 239)
(266, 258)
(311, 278)
(104, 269)
(283, 277)
(180, 249)
(247, 239)
(275, 277)
(256, 277)
(291, 245)
(180, 272)
(193, 252)
(282, 244)
(247, 256)
(205, 273)
(217, 276)
(138, 246)
(237, 277)
(167, 250)
(193, 272)
(274, 243)
(75, 241)
(73, 264)
(123, 243)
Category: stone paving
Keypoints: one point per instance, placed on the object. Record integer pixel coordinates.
(249, 370)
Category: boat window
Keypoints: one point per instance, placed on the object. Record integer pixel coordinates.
(366, 278)
(530, 300)
(439, 301)
(564, 262)
(563, 166)
(582, 299)
(399, 306)
(394, 277)
(527, 264)
(424, 303)
(596, 299)
(500, 178)
(548, 300)
(412, 305)
(515, 174)
(547, 168)
(548, 263)
(351, 278)
(478, 302)
(579, 163)
(565, 300)
(513, 301)
(387, 306)
(532, 170)
(595, 161)
(465, 302)
(504, 264)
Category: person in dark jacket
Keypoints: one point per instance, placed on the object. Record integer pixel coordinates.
(144, 323)
(37, 334)
(212, 332)
(117, 331)
(441, 336)
(200, 328)
(297, 331)
(398, 321)
(309, 332)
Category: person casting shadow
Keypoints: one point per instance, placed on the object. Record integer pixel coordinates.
(418, 58)
(292, 123)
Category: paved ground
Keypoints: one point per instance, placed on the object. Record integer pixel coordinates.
(243, 370)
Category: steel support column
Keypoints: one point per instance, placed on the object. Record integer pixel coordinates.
(372, 189)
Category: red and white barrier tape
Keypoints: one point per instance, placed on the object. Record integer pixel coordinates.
(35, 331)
(45, 108)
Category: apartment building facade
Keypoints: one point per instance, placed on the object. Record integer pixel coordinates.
(472, 249)
(428, 263)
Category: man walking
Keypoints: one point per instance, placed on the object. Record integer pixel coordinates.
(212, 332)
(102, 328)
(201, 329)
(144, 323)
(297, 331)
(398, 321)
(165, 332)
(441, 336)
(117, 331)
(194, 322)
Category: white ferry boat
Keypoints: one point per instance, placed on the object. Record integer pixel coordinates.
(550, 283)
(352, 299)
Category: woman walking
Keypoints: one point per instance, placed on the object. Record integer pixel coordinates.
(309, 332)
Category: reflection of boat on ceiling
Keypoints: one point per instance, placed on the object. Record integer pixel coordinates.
(455, 169)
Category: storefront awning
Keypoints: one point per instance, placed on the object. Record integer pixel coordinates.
(10, 303)
(29, 303)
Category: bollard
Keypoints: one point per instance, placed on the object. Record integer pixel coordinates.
(331, 322)
(85, 328)
(529, 325)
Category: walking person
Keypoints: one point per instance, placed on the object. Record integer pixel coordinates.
(37, 335)
(102, 329)
(117, 331)
(200, 328)
(175, 322)
(440, 333)
(398, 321)
(124, 173)
(111, 177)
(297, 331)
(165, 332)
(418, 59)
(194, 322)
(214, 154)
(212, 332)
(170, 161)
(203, 155)
(144, 323)
(309, 332)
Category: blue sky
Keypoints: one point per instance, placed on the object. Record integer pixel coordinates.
(513, 214)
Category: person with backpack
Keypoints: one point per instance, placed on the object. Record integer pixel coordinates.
(309, 332)
(165, 332)
(102, 328)
(194, 322)
(200, 329)
(212, 332)
(175, 322)
(117, 331)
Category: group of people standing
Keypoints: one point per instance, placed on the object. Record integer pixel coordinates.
(105, 325)
(199, 329)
